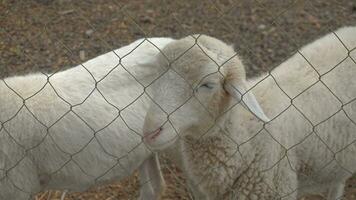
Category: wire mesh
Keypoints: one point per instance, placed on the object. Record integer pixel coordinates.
(21, 116)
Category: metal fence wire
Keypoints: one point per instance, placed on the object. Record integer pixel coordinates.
(16, 127)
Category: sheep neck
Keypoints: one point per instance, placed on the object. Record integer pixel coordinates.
(215, 165)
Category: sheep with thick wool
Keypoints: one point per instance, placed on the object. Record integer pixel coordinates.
(76, 128)
(210, 121)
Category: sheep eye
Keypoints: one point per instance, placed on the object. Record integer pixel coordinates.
(207, 85)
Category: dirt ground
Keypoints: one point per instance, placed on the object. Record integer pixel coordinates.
(51, 35)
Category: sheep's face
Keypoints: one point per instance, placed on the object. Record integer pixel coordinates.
(194, 91)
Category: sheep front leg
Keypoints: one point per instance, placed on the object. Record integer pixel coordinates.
(336, 192)
(152, 183)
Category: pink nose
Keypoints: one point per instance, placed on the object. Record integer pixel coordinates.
(152, 135)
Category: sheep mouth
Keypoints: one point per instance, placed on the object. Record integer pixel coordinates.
(152, 135)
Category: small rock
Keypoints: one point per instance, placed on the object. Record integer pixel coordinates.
(82, 55)
(89, 32)
(261, 26)
(65, 12)
(149, 11)
(146, 19)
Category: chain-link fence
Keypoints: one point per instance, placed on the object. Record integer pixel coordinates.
(51, 36)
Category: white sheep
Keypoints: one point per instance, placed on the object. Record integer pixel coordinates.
(322, 139)
(304, 147)
(76, 128)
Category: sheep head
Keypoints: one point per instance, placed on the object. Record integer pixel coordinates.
(203, 78)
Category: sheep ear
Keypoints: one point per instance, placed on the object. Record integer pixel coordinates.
(248, 100)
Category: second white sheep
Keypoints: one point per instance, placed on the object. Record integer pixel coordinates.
(76, 128)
